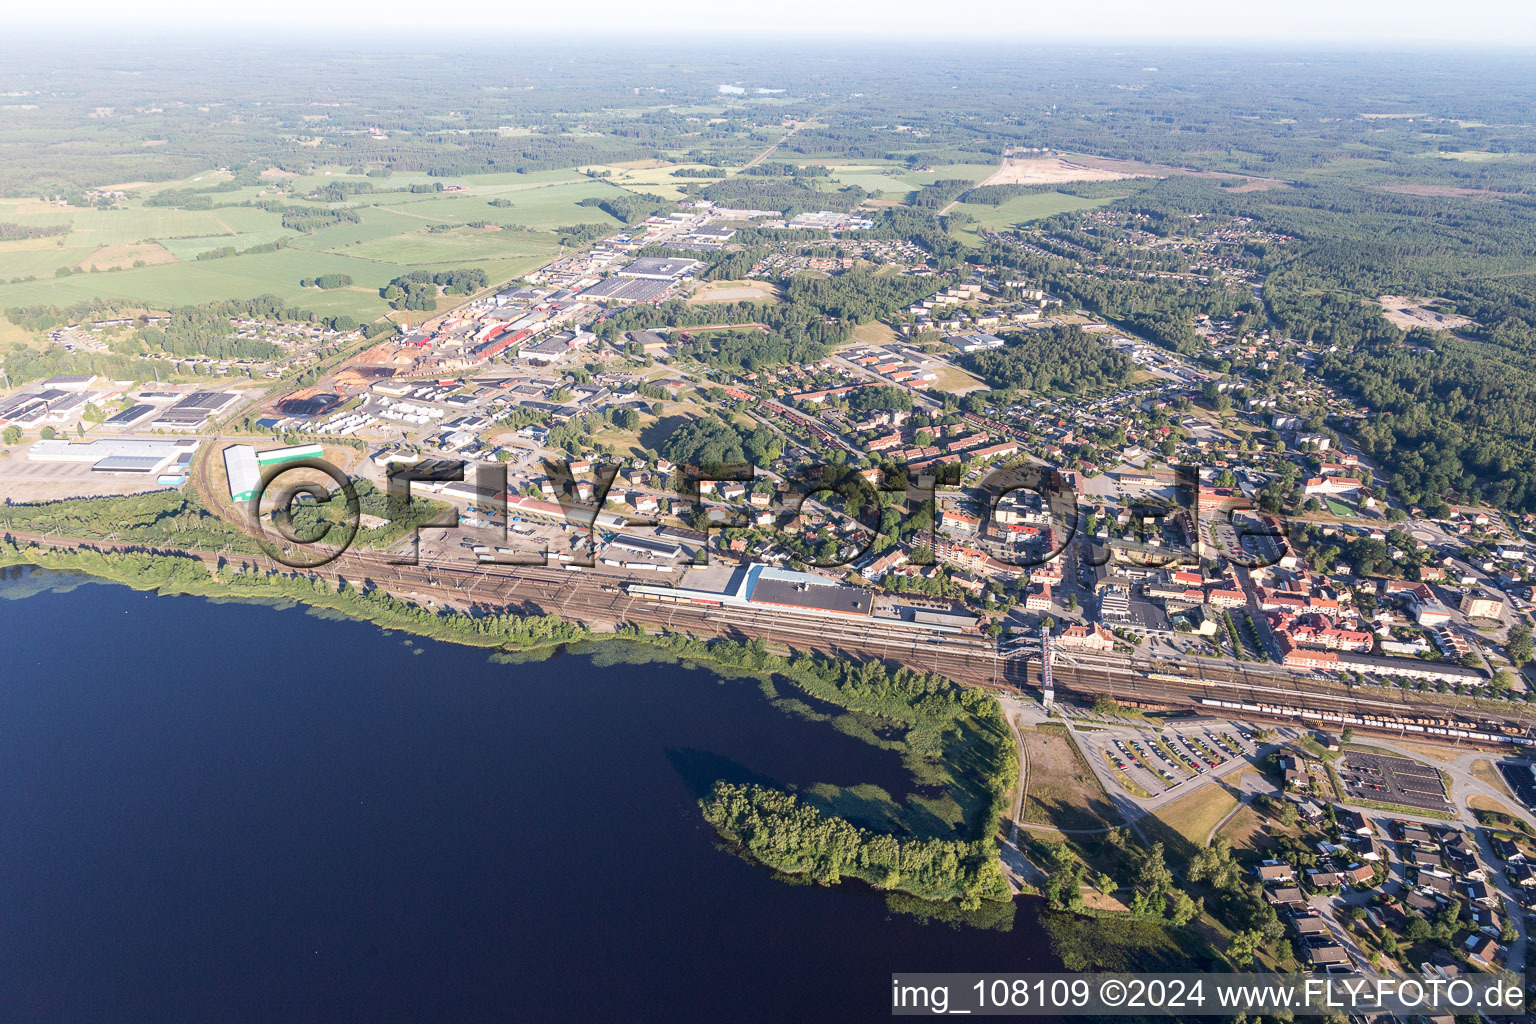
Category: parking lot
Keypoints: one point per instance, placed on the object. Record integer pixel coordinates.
(1521, 781)
(23, 480)
(1395, 780)
(1158, 760)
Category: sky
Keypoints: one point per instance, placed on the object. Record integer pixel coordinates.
(1321, 23)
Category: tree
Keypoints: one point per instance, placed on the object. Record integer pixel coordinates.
(1244, 946)
(1520, 647)
(1154, 882)
(49, 434)
(11, 435)
(1104, 704)
(1182, 909)
(704, 442)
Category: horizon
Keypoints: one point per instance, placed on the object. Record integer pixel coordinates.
(1312, 25)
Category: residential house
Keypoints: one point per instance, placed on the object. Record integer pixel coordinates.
(1274, 871)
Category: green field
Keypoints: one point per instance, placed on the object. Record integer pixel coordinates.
(884, 178)
(657, 181)
(974, 173)
(92, 228)
(462, 245)
(237, 277)
(1023, 208)
(393, 236)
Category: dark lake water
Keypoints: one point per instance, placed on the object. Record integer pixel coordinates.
(231, 812)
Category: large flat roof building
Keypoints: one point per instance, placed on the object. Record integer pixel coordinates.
(243, 472)
(647, 546)
(193, 411)
(655, 268)
(629, 289)
(803, 591)
(128, 417)
(115, 455)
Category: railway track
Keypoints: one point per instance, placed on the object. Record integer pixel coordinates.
(595, 602)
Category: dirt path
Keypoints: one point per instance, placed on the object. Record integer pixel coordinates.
(765, 153)
(988, 179)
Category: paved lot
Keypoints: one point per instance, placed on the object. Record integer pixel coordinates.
(1520, 780)
(1394, 780)
(23, 480)
(1174, 757)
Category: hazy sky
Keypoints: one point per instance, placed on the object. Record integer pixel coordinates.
(1329, 23)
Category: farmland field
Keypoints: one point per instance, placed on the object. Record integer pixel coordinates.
(37, 257)
(878, 178)
(1023, 208)
(121, 257)
(173, 284)
(391, 237)
(537, 206)
(948, 172)
(462, 245)
(652, 177)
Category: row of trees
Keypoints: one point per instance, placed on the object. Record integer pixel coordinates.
(326, 281)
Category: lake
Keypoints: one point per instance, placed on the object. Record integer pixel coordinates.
(233, 812)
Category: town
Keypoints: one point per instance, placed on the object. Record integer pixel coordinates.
(1229, 626)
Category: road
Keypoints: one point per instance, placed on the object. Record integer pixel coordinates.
(767, 152)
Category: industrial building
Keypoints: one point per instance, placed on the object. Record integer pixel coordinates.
(244, 466)
(193, 411)
(967, 343)
(293, 453)
(782, 589)
(128, 417)
(119, 456)
(626, 289)
(647, 546)
(653, 268)
(242, 471)
(34, 408)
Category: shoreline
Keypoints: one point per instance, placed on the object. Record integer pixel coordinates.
(517, 636)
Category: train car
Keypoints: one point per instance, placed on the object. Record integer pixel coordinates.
(1165, 677)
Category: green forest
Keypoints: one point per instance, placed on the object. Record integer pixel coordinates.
(1056, 359)
(784, 833)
